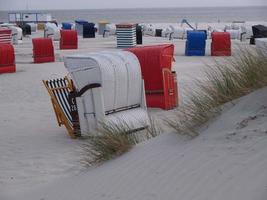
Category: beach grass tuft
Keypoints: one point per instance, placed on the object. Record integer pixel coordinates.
(113, 140)
(225, 81)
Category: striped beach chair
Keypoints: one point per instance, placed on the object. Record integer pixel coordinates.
(62, 92)
(5, 36)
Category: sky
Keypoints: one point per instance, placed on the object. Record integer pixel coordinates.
(98, 4)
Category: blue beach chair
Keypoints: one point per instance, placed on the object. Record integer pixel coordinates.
(196, 43)
(66, 26)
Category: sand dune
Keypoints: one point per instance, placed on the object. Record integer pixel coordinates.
(39, 161)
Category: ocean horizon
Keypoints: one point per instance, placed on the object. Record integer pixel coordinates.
(155, 15)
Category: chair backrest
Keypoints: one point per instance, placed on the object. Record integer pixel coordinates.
(196, 40)
(68, 39)
(59, 91)
(153, 59)
(221, 41)
(5, 36)
(89, 30)
(43, 50)
(7, 58)
(119, 74)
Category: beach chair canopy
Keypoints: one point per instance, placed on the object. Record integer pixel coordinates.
(156, 63)
(221, 44)
(43, 50)
(68, 39)
(7, 58)
(80, 21)
(66, 26)
(111, 89)
(52, 30)
(196, 43)
(89, 30)
(259, 31)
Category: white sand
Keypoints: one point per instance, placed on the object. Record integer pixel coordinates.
(39, 161)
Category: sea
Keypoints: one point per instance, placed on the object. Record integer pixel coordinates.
(156, 15)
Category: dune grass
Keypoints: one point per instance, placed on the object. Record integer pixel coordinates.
(113, 140)
(225, 81)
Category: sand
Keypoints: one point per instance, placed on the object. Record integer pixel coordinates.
(38, 160)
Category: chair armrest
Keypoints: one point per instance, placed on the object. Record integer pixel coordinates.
(87, 87)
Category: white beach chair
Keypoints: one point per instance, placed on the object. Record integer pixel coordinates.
(51, 30)
(16, 34)
(149, 29)
(235, 34)
(110, 90)
(261, 45)
(177, 32)
(110, 30)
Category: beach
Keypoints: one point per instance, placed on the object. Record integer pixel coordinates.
(39, 160)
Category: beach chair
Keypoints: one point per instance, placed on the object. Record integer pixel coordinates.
(126, 35)
(43, 50)
(221, 44)
(139, 34)
(66, 26)
(102, 27)
(195, 43)
(52, 31)
(160, 82)
(68, 39)
(79, 26)
(259, 31)
(26, 29)
(261, 46)
(7, 58)
(111, 90)
(60, 91)
(89, 30)
(5, 36)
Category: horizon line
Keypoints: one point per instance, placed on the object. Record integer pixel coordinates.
(127, 8)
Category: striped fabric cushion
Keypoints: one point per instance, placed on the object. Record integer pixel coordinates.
(61, 92)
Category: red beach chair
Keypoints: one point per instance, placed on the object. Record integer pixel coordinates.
(68, 39)
(5, 36)
(43, 50)
(7, 58)
(221, 44)
(160, 81)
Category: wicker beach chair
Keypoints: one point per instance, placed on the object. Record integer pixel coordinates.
(60, 91)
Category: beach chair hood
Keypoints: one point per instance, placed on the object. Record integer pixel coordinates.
(116, 95)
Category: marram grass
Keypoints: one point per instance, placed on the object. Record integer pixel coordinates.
(113, 140)
(225, 81)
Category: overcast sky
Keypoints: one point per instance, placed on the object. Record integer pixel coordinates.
(87, 4)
